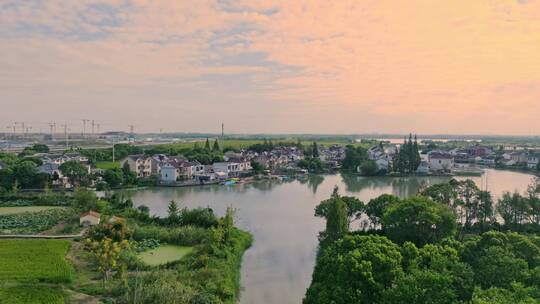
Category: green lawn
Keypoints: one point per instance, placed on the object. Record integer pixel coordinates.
(107, 165)
(15, 210)
(33, 261)
(31, 294)
(164, 254)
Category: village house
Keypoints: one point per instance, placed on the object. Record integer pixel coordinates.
(519, 157)
(440, 161)
(381, 156)
(532, 160)
(230, 169)
(169, 174)
(141, 165)
(90, 218)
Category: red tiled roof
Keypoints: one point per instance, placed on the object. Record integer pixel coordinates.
(92, 213)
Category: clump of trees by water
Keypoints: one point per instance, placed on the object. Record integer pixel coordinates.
(407, 159)
(449, 244)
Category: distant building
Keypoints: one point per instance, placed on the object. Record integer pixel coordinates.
(169, 174)
(532, 160)
(141, 165)
(440, 161)
(90, 218)
(423, 168)
(230, 169)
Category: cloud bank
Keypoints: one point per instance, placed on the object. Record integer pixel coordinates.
(274, 66)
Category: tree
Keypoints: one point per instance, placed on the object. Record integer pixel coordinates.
(107, 254)
(486, 210)
(518, 294)
(173, 213)
(337, 221)
(355, 269)
(114, 177)
(418, 220)
(354, 157)
(376, 207)
(228, 224)
(314, 150)
(512, 208)
(75, 171)
(257, 168)
(407, 158)
(369, 168)
(216, 147)
(84, 200)
(25, 174)
(433, 274)
(355, 207)
(500, 259)
(207, 145)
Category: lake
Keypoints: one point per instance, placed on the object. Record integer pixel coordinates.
(277, 268)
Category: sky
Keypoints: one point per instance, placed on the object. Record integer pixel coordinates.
(332, 67)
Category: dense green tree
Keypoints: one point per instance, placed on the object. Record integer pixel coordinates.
(114, 177)
(369, 168)
(518, 294)
(216, 147)
(355, 269)
(375, 208)
(207, 144)
(256, 167)
(354, 157)
(512, 207)
(85, 200)
(500, 259)
(337, 221)
(173, 213)
(354, 206)
(311, 164)
(486, 210)
(75, 171)
(407, 158)
(418, 220)
(314, 150)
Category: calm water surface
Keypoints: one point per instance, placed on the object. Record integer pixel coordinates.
(277, 268)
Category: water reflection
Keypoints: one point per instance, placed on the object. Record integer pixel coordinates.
(278, 267)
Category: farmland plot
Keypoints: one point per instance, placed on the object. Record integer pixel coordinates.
(33, 261)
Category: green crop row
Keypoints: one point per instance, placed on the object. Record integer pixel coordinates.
(32, 261)
(33, 222)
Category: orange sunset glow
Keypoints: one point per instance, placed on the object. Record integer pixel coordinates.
(463, 67)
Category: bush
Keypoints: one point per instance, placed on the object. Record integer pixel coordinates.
(202, 217)
(183, 236)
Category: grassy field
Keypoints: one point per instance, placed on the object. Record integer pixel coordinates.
(32, 261)
(15, 210)
(164, 254)
(107, 165)
(31, 294)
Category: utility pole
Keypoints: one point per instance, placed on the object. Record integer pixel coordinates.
(222, 130)
(131, 129)
(66, 135)
(93, 124)
(84, 126)
(113, 150)
(52, 125)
